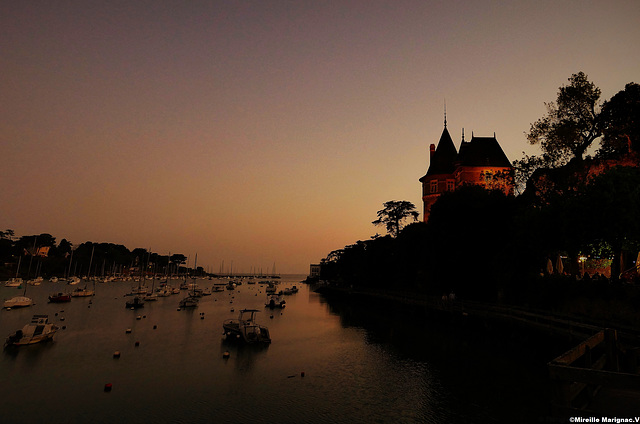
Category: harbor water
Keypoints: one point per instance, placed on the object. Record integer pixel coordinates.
(329, 362)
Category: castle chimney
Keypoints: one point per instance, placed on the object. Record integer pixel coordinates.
(432, 150)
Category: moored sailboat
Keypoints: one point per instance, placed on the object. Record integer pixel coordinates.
(191, 301)
(18, 301)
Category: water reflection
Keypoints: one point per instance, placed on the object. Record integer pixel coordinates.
(363, 362)
(243, 356)
(482, 374)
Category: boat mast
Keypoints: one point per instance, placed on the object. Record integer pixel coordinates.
(18, 270)
(91, 261)
(32, 254)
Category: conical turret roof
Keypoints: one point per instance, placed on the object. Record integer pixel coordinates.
(443, 159)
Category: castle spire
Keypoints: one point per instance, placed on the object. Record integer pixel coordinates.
(445, 113)
(463, 135)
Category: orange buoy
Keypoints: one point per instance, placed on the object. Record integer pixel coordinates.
(116, 354)
(226, 355)
(107, 387)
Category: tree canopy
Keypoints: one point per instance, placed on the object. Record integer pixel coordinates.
(571, 124)
(394, 214)
(620, 122)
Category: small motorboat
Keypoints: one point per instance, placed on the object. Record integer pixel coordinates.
(135, 303)
(189, 302)
(290, 290)
(60, 298)
(275, 301)
(39, 330)
(244, 329)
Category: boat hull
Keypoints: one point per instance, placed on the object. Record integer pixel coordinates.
(60, 298)
(18, 302)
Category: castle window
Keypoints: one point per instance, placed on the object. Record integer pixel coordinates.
(434, 186)
(486, 176)
(451, 185)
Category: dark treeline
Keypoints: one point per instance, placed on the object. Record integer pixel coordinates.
(40, 255)
(485, 245)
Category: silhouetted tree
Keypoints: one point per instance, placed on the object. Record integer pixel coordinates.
(178, 259)
(620, 122)
(7, 234)
(571, 124)
(394, 214)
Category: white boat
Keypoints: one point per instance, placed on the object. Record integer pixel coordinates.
(275, 301)
(18, 302)
(53, 279)
(244, 329)
(73, 280)
(14, 282)
(35, 282)
(39, 330)
(163, 291)
(82, 292)
(191, 301)
(150, 297)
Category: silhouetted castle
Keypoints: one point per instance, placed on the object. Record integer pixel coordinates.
(480, 161)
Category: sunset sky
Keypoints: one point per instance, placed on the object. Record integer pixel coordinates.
(265, 132)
